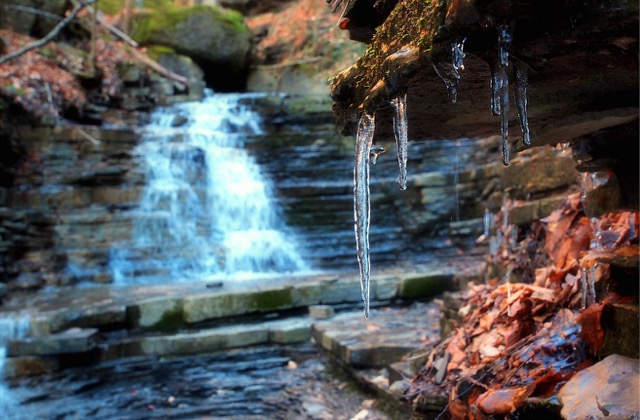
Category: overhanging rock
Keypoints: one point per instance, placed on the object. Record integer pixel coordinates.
(581, 59)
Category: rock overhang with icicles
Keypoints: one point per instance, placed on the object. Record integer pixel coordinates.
(562, 69)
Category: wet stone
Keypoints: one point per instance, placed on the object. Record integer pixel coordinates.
(73, 340)
(15, 367)
(321, 311)
(381, 340)
(205, 341)
(430, 284)
(608, 388)
(289, 331)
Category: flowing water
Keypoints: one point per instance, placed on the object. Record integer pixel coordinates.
(207, 210)
(11, 328)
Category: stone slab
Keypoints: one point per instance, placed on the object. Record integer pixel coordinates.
(321, 311)
(289, 331)
(382, 339)
(73, 340)
(15, 367)
(205, 341)
(417, 286)
(217, 305)
(158, 313)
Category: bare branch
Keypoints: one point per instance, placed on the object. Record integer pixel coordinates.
(49, 37)
(34, 11)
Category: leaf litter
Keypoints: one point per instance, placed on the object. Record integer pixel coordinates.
(521, 336)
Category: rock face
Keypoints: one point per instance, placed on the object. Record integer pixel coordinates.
(215, 38)
(14, 16)
(581, 60)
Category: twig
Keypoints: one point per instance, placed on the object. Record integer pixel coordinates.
(117, 32)
(158, 68)
(49, 37)
(34, 11)
(88, 136)
(292, 63)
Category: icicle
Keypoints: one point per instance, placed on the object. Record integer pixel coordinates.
(591, 285)
(504, 108)
(375, 152)
(450, 77)
(457, 52)
(500, 88)
(496, 85)
(448, 71)
(583, 286)
(364, 140)
(588, 283)
(504, 44)
(399, 104)
(488, 222)
(596, 242)
(521, 81)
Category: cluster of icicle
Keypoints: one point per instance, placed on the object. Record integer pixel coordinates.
(449, 72)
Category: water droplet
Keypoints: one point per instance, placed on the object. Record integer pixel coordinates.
(375, 152)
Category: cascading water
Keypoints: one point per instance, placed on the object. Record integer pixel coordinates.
(206, 210)
(12, 327)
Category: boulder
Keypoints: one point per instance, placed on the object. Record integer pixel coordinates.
(216, 38)
(607, 389)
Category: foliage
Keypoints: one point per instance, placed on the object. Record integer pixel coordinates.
(516, 340)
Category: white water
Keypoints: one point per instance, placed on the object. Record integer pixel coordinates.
(206, 211)
(12, 327)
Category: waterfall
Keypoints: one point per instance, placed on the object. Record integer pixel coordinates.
(206, 210)
(12, 327)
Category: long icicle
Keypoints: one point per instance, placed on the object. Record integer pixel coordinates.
(399, 104)
(504, 108)
(522, 100)
(504, 44)
(361, 204)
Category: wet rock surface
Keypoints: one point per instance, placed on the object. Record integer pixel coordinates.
(267, 382)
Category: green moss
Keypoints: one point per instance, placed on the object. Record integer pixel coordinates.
(147, 24)
(112, 7)
(156, 51)
(425, 286)
(171, 320)
(269, 300)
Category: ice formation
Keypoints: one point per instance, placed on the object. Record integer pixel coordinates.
(399, 104)
(361, 204)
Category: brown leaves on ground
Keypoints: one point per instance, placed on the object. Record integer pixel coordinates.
(517, 341)
(303, 31)
(45, 82)
(38, 80)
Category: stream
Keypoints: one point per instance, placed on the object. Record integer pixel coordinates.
(230, 190)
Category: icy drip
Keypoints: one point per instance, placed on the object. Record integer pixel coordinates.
(12, 327)
(522, 100)
(487, 222)
(399, 104)
(588, 285)
(206, 209)
(591, 181)
(361, 203)
(448, 70)
(596, 242)
(502, 86)
(375, 152)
